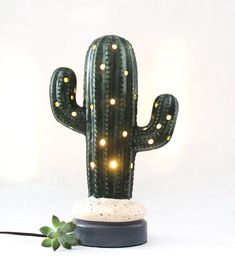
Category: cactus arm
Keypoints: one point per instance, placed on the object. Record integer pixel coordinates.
(161, 126)
(63, 100)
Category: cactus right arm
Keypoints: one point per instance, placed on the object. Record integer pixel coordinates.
(63, 100)
(161, 126)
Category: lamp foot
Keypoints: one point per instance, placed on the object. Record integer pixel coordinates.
(111, 234)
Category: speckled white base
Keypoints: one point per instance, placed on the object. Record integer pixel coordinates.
(108, 210)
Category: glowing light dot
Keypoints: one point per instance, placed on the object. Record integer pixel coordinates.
(150, 141)
(114, 46)
(113, 164)
(135, 96)
(72, 97)
(112, 101)
(92, 165)
(66, 79)
(74, 90)
(91, 107)
(102, 142)
(168, 138)
(124, 134)
(145, 128)
(132, 165)
(168, 117)
(94, 47)
(57, 104)
(156, 105)
(74, 114)
(159, 126)
(102, 66)
(125, 72)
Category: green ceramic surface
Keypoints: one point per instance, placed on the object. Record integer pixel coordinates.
(108, 115)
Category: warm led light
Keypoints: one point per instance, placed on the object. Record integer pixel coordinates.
(72, 97)
(74, 114)
(57, 104)
(113, 164)
(66, 79)
(125, 72)
(168, 138)
(91, 107)
(124, 134)
(112, 101)
(135, 96)
(74, 90)
(92, 164)
(168, 117)
(102, 66)
(156, 105)
(145, 128)
(114, 46)
(102, 142)
(150, 141)
(159, 126)
(132, 165)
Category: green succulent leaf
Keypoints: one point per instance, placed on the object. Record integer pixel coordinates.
(55, 244)
(60, 232)
(62, 223)
(63, 242)
(45, 230)
(51, 235)
(46, 243)
(55, 221)
(68, 227)
(71, 240)
(61, 239)
(67, 245)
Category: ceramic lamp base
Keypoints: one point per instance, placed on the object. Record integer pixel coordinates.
(111, 234)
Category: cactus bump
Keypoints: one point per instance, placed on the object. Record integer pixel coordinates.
(108, 117)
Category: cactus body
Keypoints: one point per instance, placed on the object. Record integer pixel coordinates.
(108, 115)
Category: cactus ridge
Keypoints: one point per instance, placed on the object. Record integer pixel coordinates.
(108, 116)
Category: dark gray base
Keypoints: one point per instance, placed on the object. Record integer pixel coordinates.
(111, 234)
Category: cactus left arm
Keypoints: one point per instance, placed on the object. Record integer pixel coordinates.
(161, 126)
(63, 100)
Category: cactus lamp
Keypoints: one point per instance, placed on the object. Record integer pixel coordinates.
(109, 217)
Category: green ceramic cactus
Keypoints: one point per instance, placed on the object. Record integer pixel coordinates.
(108, 115)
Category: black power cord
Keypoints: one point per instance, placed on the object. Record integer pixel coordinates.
(23, 234)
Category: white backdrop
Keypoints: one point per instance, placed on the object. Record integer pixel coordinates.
(183, 47)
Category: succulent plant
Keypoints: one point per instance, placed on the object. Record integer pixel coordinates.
(108, 115)
(61, 234)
